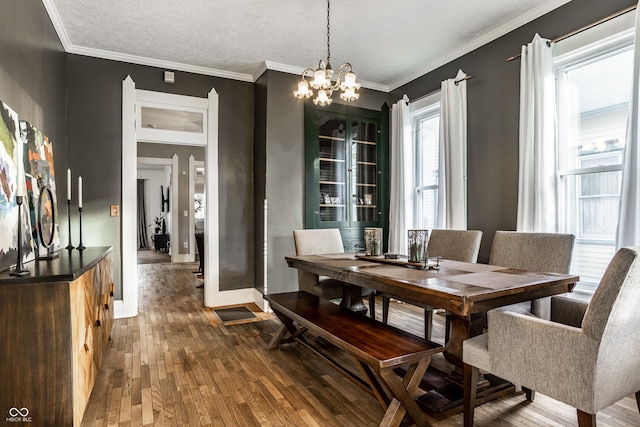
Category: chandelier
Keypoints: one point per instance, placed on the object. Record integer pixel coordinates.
(320, 79)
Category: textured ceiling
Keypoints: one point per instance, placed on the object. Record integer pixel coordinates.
(389, 43)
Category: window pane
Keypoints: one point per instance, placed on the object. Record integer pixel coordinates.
(595, 100)
(332, 169)
(429, 137)
(428, 201)
(176, 120)
(364, 162)
(598, 205)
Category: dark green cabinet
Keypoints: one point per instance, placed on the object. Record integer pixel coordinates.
(346, 166)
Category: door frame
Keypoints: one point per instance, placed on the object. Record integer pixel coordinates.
(213, 296)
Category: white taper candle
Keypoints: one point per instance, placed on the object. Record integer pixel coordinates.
(68, 184)
(20, 183)
(79, 191)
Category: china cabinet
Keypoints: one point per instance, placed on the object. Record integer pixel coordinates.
(346, 158)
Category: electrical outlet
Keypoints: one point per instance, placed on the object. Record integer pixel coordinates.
(186, 213)
(186, 245)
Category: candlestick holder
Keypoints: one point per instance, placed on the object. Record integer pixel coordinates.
(80, 245)
(19, 270)
(69, 246)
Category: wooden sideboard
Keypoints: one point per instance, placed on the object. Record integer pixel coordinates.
(55, 325)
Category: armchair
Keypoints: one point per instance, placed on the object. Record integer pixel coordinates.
(586, 356)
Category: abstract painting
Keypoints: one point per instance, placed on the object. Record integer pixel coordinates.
(40, 176)
(9, 157)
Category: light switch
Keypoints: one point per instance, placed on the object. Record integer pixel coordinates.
(186, 213)
(115, 210)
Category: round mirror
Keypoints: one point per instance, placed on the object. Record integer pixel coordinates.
(46, 217)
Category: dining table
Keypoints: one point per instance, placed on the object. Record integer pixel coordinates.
(466, 291)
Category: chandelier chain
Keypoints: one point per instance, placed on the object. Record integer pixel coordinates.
(328, 33)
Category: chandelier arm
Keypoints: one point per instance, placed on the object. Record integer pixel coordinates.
(309, 70)
(339, 78)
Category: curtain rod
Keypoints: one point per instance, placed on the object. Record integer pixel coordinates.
(586, 27)
(456, 82)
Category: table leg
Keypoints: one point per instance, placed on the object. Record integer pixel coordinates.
(444, 395)
(352, 298)
(461, 328)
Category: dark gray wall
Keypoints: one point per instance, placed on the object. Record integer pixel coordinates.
(94, 117)
(279, 159)
(166, 151)
(34, 73)
(493, 97)
(32, 80)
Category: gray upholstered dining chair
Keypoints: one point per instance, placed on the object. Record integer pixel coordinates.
(540, 252)
(456, 245)
(587, 355)
(318, 242)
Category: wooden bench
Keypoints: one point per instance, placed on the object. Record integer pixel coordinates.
(377, 348)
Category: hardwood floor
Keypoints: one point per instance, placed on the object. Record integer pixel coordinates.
(176, 364)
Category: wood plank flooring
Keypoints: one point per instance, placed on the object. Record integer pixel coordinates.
(176, 364)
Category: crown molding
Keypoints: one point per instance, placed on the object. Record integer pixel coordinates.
(141, 60)
(521, 20)
(50, 7)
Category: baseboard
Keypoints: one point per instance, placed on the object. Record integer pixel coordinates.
(181, 258)
(121, 312)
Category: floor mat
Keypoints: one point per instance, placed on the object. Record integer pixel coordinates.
(235, 315)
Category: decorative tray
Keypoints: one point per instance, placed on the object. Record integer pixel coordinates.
(431, 263)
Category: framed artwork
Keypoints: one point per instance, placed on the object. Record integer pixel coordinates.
(41, 190)
(11, 153)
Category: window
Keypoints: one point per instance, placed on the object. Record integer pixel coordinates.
(426, 129)
(594, 85)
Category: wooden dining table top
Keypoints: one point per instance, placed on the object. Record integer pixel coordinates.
(460, 287)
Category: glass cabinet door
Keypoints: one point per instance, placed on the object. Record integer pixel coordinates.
(332, 163)
(364, 167)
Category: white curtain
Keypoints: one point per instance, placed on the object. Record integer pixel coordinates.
(401, 191)
(537, 194)
(628, 227)
(452, 179)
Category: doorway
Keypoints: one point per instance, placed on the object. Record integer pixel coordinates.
(154, 217)
(132, 132)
